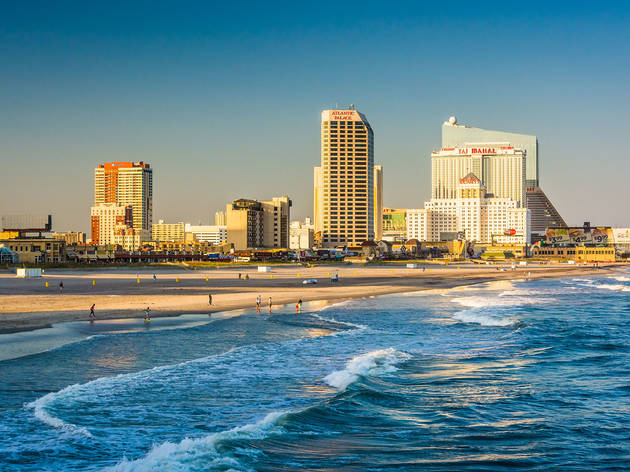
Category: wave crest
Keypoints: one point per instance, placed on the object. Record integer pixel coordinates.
(201, 453)
(369, 364)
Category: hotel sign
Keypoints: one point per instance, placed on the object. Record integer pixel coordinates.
(482, 150)
(341, 115)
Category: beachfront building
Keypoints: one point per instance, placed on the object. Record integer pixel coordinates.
(129, 238)
(219, 218)
(394, 224)
(473, 215)
(70, 237)
(253, 224)
(36, 250)
(544, 214)
(105, 217)
(344, 186)
(499, 166)
(126, 184)
(168, 232)
(211, 234)
(301, 234)
(378, 202)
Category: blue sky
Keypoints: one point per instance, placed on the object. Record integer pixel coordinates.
(224, 101)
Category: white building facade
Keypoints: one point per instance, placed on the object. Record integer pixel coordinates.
(474, 214)
(499, 166)
(301, 234)
(213, 234)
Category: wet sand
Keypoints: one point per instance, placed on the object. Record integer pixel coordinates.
(27, 304)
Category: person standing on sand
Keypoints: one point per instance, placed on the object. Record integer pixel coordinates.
(92, 315)
(61, 287)
(270, 304)
(258, 303)
(300, 305)
(209, 299)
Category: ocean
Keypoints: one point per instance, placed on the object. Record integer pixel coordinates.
(529, 375)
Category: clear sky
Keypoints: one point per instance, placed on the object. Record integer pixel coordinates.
(224, 100)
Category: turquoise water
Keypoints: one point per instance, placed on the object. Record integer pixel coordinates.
(525, 375)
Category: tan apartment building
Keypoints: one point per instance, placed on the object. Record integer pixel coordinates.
(344, 198)
(258, 224)
(105, 218)
(128, 184)
(70, 237)
(168, 232)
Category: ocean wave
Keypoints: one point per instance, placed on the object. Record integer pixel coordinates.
(345, 323)
(369, 364)
(503, 299)
(98, 386)
(471, 316)
(618, 287)
(202, 453)
(621, 278)
(39, 411)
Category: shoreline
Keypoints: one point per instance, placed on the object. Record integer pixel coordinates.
(185, 296)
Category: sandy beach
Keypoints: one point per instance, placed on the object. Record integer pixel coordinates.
(28, 304)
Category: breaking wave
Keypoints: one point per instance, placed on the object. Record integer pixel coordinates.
(201, 453)
(370, 364)
(470, 316)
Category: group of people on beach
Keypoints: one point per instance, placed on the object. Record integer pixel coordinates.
(147, 312)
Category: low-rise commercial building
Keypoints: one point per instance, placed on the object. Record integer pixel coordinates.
(394, 224)
(577, 253)
(36, 250)
(211, 234)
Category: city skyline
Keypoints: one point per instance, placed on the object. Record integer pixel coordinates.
(191, 98)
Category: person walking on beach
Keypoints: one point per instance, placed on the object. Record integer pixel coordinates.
(92, 315)
(209, 299)
(154, 277)
(147, 315)
(270, 304)
(61, 287)
(300, 305)
(258, 303)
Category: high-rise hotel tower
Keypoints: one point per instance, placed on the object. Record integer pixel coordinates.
(123, 195)
(344, 183)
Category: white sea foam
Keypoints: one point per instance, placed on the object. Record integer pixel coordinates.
(345, 323)
(504, 299)
(369, 364)
(39, 411)
(471, 316)
(621, 278)
(617, 287)
(201, 453)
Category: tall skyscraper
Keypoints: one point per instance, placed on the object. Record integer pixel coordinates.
(378, 203)
(125, 184)
(344, 182)
(456, 135)
(544, 214)
(500, 167)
